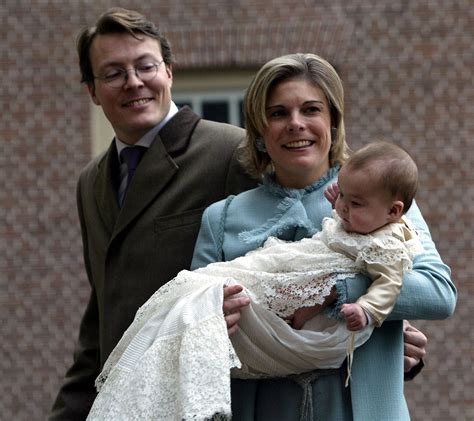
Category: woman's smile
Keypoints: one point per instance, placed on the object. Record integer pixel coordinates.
(298, 144)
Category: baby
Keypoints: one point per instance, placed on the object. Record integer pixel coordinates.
(376, 186)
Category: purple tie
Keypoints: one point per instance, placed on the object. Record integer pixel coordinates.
(131, 156)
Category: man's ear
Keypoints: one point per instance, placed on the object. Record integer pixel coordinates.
(169, 73)
(91, 90)
(396, 210)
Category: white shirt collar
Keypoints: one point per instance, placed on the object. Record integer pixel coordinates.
(150, 136)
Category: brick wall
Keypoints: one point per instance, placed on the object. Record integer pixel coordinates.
(407, 68)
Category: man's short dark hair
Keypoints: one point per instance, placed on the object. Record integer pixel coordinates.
(118, 21)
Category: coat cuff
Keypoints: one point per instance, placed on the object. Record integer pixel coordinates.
(334, 310)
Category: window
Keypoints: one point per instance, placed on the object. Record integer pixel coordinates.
(213, 94)
(224, 106)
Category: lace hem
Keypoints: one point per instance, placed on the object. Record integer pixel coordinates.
(180, 377)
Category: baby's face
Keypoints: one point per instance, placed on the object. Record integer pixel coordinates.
(362, 205)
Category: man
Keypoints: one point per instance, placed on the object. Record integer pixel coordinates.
(138, 237)
(134, 247)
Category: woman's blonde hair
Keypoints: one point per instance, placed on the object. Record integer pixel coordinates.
(309, 67)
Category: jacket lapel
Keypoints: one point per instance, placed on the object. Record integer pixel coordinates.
(105, 189)
(157, 167)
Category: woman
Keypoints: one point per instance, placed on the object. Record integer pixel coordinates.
(294, 113)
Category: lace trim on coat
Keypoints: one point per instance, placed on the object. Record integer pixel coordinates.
(385, 246)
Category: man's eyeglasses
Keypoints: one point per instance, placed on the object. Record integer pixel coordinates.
(116, 78)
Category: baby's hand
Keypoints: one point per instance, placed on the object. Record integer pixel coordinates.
(355, 316)
(331, 194)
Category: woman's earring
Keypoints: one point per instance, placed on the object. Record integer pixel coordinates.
(260, 145)
(333, 135)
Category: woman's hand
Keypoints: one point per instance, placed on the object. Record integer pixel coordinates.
(414, 346)
(232, 306)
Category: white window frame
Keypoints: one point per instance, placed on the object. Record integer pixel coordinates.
(232, 97)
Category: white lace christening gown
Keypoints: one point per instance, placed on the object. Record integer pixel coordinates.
(175, 360)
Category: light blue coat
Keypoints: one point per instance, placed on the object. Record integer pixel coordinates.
(232, 227)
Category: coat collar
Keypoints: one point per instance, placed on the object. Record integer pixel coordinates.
(290, 213)
(176, 134)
